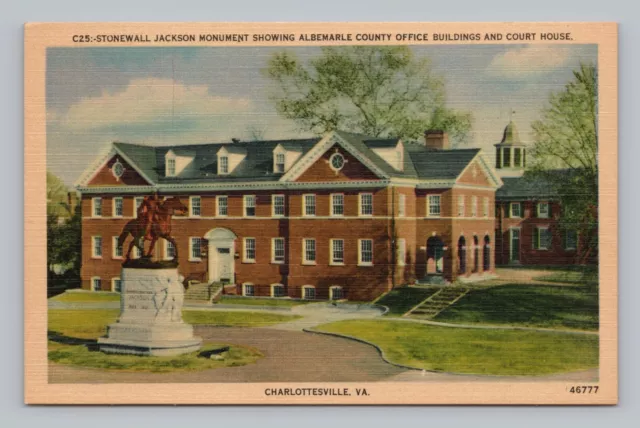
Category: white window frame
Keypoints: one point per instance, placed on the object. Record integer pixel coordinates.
(94, 255)
(97, 199)
(218, 199)
(332, 292)
(191, 257)
(114, 247)
(114, 203)
(273, 288)
(520, 208)
(305, 287)
(539, 212)
(245, 247)
(361, 205)
(245, 199)
(360, 261)
(273, 251)
(332, 260)
(113, 285)
(277, 170)
(402, 205)
(170, 167)
(566, 240)
(539, 236)
(221, 169)
(244, 289)
(401, 256)
(273, 205)
(304, 204)
(165, 251)
(191, 205)
(136, 205)
(332, 195)
(474, 206)
(429, 199)
(485, 207)
(462, 209)
(93, 279)
(306, 261)
(137, 253)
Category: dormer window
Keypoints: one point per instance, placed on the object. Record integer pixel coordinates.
(171, 167)
(224, 165)
(229, 157)
(279, 163)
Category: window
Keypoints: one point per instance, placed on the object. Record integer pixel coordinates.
(277, 205)
(366, 204)
(571, 239)
(169, 250)
(96, 246)
(250, 206)
(337, 204)
(222, 202)
(515, 210)
(308, 292)
(336, 161)
(542, 238)
(224, 165)
(249, 250)
(309, 205)
(474, 206)
(335, 293)
(118, 208)
(96, 204)
(309, 251)
(137, 253)
(402, 202)
(116, 285)
(117, 249)
(337, 251)
(194, 206)
(279, 168)
(506, 156)
(461, 210)
(543, 210)
(248, 290)
(402, 252)
(138, 201)
(516, 157)
(195, 249)
(277, 290)
(485, 207)
(96, 283)
(171, 167)
(433, 205)
(365, 256)
(277, 250)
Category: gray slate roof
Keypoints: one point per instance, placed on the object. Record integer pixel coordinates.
(525, 188)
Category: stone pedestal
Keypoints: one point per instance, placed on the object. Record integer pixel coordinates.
(150, 321)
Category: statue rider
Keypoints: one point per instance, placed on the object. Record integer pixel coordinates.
(148, 211)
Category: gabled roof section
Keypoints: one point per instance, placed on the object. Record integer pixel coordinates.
(529, 187)
(490, 171)
(439, 164)
(141, 158)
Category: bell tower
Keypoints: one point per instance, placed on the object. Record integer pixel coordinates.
(511, 153)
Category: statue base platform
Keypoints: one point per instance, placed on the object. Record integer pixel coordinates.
(150, 321)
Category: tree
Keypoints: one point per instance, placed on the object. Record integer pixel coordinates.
(374, 90)
(57, 196)
(566, 139)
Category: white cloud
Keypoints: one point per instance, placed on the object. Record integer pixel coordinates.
(529, 60)
(145, 101)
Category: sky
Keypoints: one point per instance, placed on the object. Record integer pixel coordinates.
(189, 95)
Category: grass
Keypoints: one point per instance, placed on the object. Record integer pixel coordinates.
(527, 305)
(235, 319)
(400, 300)
(77, 297)
(571, 277)
(256, 301)
(474, 351)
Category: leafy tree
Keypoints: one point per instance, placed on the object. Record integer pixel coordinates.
(566, 139)
(375, 90)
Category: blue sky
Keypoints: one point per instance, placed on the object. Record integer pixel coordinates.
(187, 95)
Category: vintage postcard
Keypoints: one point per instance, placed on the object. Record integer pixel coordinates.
(321, 213)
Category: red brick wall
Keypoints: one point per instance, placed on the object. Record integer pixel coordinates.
(353, 169)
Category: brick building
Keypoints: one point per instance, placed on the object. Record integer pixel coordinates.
(342, 216)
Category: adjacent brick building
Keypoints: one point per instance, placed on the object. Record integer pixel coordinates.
(342, 216)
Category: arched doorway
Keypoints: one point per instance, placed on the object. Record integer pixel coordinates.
(476, 254)
(435, 256)
(462, 255)
(221, 255)
(486, 254)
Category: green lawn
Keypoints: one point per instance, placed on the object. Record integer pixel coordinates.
(256, 301)
(479, 351)
(578, 277)
(236, 319)
(527, 305)
(400, 300)
(75, 297)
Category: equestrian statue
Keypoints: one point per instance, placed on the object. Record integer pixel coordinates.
(153, 221)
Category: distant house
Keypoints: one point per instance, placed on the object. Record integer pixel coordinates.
(342, 216)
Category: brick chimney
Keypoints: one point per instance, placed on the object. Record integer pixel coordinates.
(436, 140)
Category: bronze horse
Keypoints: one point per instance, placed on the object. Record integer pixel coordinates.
(160, 228)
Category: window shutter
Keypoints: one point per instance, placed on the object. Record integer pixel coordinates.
(550, 212)
(564, 239)
(536, 237)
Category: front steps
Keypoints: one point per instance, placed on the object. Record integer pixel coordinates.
(437, 302)
(202, 292)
